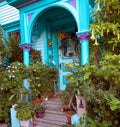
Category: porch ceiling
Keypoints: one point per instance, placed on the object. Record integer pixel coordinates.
(56, 14)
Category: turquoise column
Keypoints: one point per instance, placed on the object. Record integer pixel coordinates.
(26, 55)
(83, 29)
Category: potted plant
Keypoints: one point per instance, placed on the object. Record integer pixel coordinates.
(40, 111)
(41, 79)
(24, 112)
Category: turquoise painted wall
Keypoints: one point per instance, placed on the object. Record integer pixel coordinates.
(36, 11)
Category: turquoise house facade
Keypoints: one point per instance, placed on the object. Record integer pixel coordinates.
(59, 29)
(43, 25)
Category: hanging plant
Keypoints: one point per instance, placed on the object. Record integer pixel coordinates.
(62, 35)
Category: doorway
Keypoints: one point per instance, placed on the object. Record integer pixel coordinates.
(56, 51)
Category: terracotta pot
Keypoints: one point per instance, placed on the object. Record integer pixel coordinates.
(40, 114)
(69, 115)
(65, 108)
(37, 102)
(48, 94)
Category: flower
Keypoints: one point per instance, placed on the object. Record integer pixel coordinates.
(93, 36)
(62, 35)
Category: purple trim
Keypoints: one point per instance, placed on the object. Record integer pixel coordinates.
(73, 3)
(26, 3)
(26, 46)
(83, 36)
(30, 16)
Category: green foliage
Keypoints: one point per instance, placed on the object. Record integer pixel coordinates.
(106, 25)
(40, 107)
(3, 50)
(11, 89)
(102, 90)
(25, 111)
(66, 94)
(15, 51)
(35, 55)
(41, 78)
(99, 81)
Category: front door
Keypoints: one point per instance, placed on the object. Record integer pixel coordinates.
(68, 53)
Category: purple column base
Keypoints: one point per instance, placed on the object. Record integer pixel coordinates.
(83, 36)
(26, 46)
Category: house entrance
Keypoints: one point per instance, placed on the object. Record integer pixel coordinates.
(56, 50)
(68, 53)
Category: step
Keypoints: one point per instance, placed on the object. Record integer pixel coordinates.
(54, 99)
(38, 124)
(49, 122)
(55, 112)
(55, 108)
(54, 105)
(55, 117)
(54, 102)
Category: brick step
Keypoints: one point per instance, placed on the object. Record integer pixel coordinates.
(48, 122)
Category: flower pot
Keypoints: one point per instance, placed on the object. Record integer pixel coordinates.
(40, 114)
(81, 105)
(69, 115)
(65, 108)
(37, 101)
(48, 94)
(27, 123)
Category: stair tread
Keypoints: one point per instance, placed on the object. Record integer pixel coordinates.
(37, 124)
(54, 121)
(55, 112)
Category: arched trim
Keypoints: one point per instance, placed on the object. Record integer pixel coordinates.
(41, 10)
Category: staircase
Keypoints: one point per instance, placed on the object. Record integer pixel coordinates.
(54, 117)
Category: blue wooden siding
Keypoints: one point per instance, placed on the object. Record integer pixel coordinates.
(8, 14)
(37, 38)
